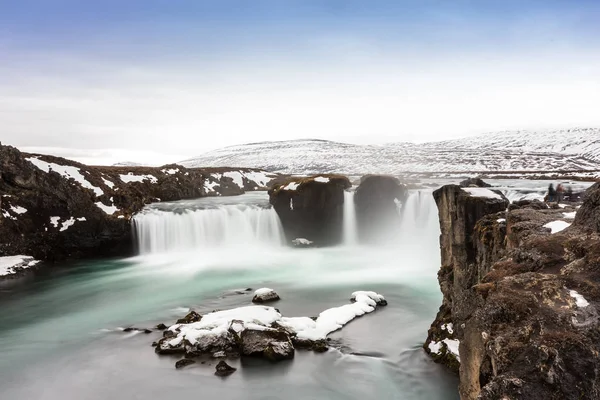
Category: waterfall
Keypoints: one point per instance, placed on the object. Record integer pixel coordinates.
(227, 226)
(419, 224)
(350, 229)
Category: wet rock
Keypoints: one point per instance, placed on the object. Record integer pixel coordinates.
(265, 295)
(146, 331)
(272, 344)
(164, 346)
(377, 200)
(224, 369)
(311, 207)
(184, 362)
(161, 327)
(191, 317)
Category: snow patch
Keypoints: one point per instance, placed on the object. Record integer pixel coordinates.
(482, 192)
(110, 210)
(130, 177)
(321, 179)
(12, 264)
(54, 221)
(67, 171)
(18, 210)
(449, 328)
(501, 220)
(451, 344)
(291, 186)
(236, 177)
(263, 291)
(580, 301)
(170, 171)
(570, 215)
(108, 183)
(557, 226)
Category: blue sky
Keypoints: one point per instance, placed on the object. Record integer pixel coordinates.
(102, 75)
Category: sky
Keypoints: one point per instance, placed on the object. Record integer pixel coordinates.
(161, 81)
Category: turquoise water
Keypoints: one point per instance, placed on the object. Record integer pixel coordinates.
(60, 339)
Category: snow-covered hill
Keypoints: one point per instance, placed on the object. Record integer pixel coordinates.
(559, 150)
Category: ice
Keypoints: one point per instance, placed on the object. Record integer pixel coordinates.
(580, 301)
(130, 177)
(482, 192)
(557, 226)
(10, 264)
(67, 171)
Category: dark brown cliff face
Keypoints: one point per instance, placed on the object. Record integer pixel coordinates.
(311, 208)
(53, 209)
(521, 301)
(377, 198)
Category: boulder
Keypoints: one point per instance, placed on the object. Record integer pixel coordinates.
(184, 362)
(272, 344)
(265, 295)
(191, 317)
(377, 201)
(311, 207)
(224, 369)
(474, 182)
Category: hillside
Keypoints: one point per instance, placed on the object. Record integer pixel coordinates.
(558, 150)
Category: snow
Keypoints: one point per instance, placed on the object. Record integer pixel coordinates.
(335, 318)
(110, 210)
(580, 301)
(210, 186)
(451, 344)
(18, 210)
(67, 224)
(236, 177)
(54, 221)
(501, 220)
(557, 226)
(322, 179)
(108, 183)
(291, 186)
(563, 205)
(570, 215)
(9, 265)
(130, 177)
(482, 192)
(170, 171)
(449, 328)
(67, 171)
(260, 178)
(263, 291)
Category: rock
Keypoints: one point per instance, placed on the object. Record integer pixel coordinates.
(275, 345)
(184, 362)
(588, 216)
(147, 331)
(474, 182)
(163, 346)
(224, 369)
(533, 204)
(161, 327)
(519, 316)
(191, 317)
(265, 295)
(311, 207)
(377, 200)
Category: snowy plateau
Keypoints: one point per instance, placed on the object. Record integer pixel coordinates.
(523, 151)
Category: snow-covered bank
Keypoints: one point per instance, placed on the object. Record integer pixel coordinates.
(13, 265)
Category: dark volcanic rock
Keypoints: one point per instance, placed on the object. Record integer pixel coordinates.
(588, 217)
(272, 344)
(311, 208)
(184, 362)
(377, 198)
(522, 302)
(474, 182)
(192, 316)
(265, 295)
(224, 369)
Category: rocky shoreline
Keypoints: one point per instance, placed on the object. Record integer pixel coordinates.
(519, 315)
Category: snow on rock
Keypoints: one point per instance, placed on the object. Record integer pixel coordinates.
(260, 178)
(321, 179)
(13, 264)
(67, 171)
(54, 221)
(66, 224)
(130, 177)
(264, 295)
(291, 186)
(482, 192)
(451, 345)
(501, 220)
(108, 183)
(170, 171)
(557, 226)
(580, 301)
(236, 176)
(570, 215)
(18, 210)
(449, 328)
(110, 210)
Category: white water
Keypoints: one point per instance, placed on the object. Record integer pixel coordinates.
(350, 231)
(228, 226)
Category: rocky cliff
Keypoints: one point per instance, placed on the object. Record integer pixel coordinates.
(53, 209)
(519, 318)
(311, 208)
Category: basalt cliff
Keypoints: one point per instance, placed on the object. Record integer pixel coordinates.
(519, 318)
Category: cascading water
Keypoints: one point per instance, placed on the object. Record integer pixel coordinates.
(160, 231)
(350, 229)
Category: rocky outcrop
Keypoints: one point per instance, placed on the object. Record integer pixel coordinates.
(53, 209)
(377, 200)
(311, 208)
(520, 301)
